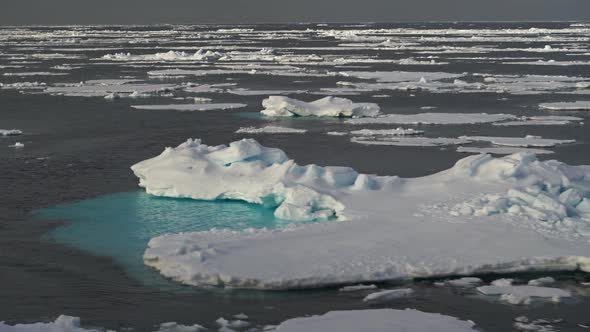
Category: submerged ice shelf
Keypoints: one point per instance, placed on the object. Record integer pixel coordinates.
(123, 230)
(390, 227)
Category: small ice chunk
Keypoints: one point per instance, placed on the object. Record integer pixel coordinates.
(10, 132)
(356, 288)
(502, 282)
(270, 130)
(567, 106)
(465, 282)
(17, 145)
(279, 106)
(388, 295)
(175, 327)
(541, 281)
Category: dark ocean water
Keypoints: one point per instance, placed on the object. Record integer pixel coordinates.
(80, 148)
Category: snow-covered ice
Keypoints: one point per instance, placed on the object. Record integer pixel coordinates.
(388, 295)
(270, 130)
(377, 320)
(387, 132)
(191, 107)
(465, 282)
(175, 327)
(541, 281)
(63, 323)
(10, 132)
(326, 107)
(567, 106)
(501, 150)
(409, 141)
(391, 227)
(524, 294)
(356, 288)
(17, 145)
(527, 141)
(434, 118)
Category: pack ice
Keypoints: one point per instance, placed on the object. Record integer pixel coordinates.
(483, 215)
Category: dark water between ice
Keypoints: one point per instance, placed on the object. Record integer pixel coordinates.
(80, 149)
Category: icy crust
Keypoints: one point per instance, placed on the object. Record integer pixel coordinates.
(396, 228)
(279, 106)
(377, 320)
(63, 323)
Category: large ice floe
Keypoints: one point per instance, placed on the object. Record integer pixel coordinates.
(485, 214)
(191, 107)
(434, 118)
(377, 320)
(325, 107)
(63, 323)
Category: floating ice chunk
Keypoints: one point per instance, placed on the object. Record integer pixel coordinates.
(410, 141)
(377, 320)
(388, 295)
(10, 132)
(465, 282)
(36, 73)
(522, 323)
(541, 281)
(535, 141)
(270, 130)
(246, 92)
(23, 85)
(502, 282)
(501, 150)
(175, 327)
(336, 133)
(401, 76)
(391, 223)
(434, 118)
(357, 288)
(17, 145)
(387, 132)
(573, 106)
(524, 294)
(241, 316)
(191, 107)
(63, 323)
(541, 121)
(325, 107)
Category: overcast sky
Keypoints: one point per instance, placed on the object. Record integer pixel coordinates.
(252, 11)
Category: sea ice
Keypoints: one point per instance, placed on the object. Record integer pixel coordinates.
(391, 227)
(501, 150)
(63, 323)
(388, 295)
(10, 132)
(377, 320)
(356, 288)
(175, 327)
(524, 294)
(270, 130)
(325, 107)
(409, 141)
(434, 118)
(191, 107)
(573, 106)
(527, 141)
(465, 282)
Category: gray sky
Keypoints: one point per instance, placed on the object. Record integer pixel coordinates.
(251, 11)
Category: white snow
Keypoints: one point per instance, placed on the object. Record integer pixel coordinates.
(572, 106)
(63, 323)
(10, 132)
(391, 227)
(527, 141)
(325, 107)
(270, 130)
(379, 320)
(434, 118)
(501, 150)
(191, 107)
(524, 294)
(388, 295)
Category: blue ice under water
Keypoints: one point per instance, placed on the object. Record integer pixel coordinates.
(120, 225)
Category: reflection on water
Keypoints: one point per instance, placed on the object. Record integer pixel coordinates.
(120, 225)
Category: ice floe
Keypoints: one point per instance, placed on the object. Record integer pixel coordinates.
(523, 323)
(501, 150)
(524, 294)
(270, 130)
(392, 227)
(388, 295)
(356, 288)
(567, 106)
(409, 141)
(434, 118)
(175, 327)
(387, 132)
(549, 120)
(376, 320)
(278, 106)
(17, 145)
(200, 55)
(63, 323)
(191, 107)
(10, 132)
(527, 141)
